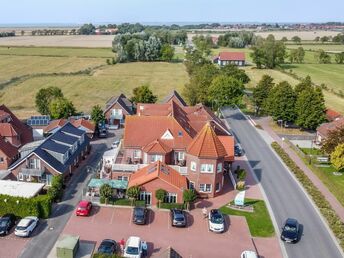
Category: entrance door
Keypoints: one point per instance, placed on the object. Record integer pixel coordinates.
(147, 197)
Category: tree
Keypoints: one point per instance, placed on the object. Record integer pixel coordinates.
(44, 97)
(339, 58)
(143, 94)
(203, 43)
(334, 137)
(262, 91)
(284, 39)
(310, 108)
(194, 59)
(296, 39)
(281, 102)
(322, 57)
(305, 84)
(87, 29)
(97, 114)
(133, 192)
(160, 195)
(61, 108)
(225, 90)
(55, 191)
(317, 39)
(324, 39)
(189, 196)
(233, 71)
(167, 52)
(268, 53)
(337, 157)
(105, 192)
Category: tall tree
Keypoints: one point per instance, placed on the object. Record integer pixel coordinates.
(296, 39)
(194, 59)
(97, 114)
(322, 57)
(334, 137)
(337, 157)
(167, 52)
(143, 94)
(281, 102)
(339, 58)
(233, 71)
(44, 97)
(310, 108)
(87, 29)
(261, 92)
(61, 108)
(160, 195)
(305, 84)
(189, 196)
(225, 90)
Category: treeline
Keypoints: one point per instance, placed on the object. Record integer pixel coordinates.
(303, 105)
(48, 32)
(239, 39)
(4, 34)
(147, 46)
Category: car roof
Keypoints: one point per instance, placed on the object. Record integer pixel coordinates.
(133, 241)
(83, 203)
(291, 221)
(25, 221)
(250, 254)
(7, 217)
(104, 241)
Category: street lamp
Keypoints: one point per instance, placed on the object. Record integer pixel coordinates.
(283, 142)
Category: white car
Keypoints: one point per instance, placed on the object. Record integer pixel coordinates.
(134, 247)
(26, 226)
(249, 254)
(216, 221)
(115, 144)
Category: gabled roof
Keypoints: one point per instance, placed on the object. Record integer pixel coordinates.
(231, 56)
(7, 130)
(84, 123)
(58, 123)
(206, 144)
(174, 95)
(122, 101)
(8, 149)
(152, 109)
(332, 115)
(158, 147)
(54, 124)
(161, 171)
(325, 128)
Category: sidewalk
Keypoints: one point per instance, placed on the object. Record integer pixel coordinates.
(264, 123)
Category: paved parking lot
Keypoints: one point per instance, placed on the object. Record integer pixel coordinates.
(193, 241)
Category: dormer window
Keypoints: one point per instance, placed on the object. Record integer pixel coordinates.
(167, 135)
(180, 133)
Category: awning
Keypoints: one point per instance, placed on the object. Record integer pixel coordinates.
(31, 172)
(115, 184)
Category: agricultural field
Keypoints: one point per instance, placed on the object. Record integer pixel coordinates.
(314, 47)
(304, 35)
(88, 90)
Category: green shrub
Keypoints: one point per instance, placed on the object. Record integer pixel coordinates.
(334, 222)
(55, 191)
(124, 202)
(169, 206)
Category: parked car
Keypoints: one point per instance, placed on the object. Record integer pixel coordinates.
(133, 247)
(84, 208)
(249, 254)
(26, 226)
(140, 215)
(6, 223)
(108, 246)
(178, 218)
(102, 133)
(238, 150)
(115, 144)
(216, 221)
(290, 231)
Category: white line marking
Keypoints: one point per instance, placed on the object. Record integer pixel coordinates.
(113, 213)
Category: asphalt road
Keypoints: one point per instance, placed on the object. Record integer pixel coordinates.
(48, 231)
(285, 196)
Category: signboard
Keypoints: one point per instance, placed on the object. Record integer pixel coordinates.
(240, 199)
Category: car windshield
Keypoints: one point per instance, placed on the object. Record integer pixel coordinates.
(139, 212)
(290, 228)
(217, 219)
(3, 223)
(105, 247)
(179, 218)
(132, 250)
(20, 228)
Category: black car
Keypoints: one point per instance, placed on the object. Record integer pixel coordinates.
(6, 223)
(237, 150)
(290, 231)
(140, 215)
(178, 218)
(107, 246)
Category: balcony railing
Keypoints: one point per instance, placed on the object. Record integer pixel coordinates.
(32, 172)
(116, 116)
(135, 167)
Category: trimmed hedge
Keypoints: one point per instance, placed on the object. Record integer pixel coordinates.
(39, 206)
(334, 222)
(169, 206)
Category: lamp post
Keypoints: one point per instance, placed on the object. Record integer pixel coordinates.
(283, 139)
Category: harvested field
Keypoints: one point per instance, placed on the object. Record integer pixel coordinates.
(312, 47)
(304, 35)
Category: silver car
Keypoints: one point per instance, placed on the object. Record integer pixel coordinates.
(26, 226)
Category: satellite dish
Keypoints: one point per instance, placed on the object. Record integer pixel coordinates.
(240, 199)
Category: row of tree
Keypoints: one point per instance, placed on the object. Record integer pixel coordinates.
(4, 34)
(50, 101)
(303, 105)
(239, 39)
(323, 57)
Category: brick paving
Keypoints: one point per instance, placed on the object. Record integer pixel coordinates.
(264, 122)
(11, 245)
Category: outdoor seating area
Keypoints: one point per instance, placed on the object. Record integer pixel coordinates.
(118, 186)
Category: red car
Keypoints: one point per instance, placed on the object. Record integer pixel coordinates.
(84, 208)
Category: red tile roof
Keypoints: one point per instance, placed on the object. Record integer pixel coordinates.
(206, 144)
(158, 147)
(54, 124)
(325, 128)
(228, 143)
(8, 149)
(332, 114)
(232, 56)
(148, 109)
(161, 171)
(7, 130)
(84, 123)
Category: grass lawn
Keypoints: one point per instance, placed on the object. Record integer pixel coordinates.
(313, 151)
(86, 91)
(330, 47)
(57, 51)
(259, 221)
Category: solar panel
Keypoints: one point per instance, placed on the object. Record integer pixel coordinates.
(39, 120)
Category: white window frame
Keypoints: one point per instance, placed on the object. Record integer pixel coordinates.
(207, 168)
(181, 155)
(219, 167)
(20, 177)
(218, 190)
(193, 166)
(122, 178)
(137, 154)
(34, 163)
(155, 157)
(170, 196)
(203, 188)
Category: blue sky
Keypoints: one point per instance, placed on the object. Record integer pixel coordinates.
(99, 11)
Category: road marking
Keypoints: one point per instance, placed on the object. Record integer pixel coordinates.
(112, 215)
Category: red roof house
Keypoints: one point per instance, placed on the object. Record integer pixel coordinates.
(324, 129)
(225, 58)
(332, 115)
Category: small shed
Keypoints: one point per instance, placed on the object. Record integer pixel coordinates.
(67, 246)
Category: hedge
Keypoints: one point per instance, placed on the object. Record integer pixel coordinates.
(39, 206)
(169, 206)
(122, 202)
(334, 222)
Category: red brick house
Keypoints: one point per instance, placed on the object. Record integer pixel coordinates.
(159, 175)
(116, 110)
(324, 129)
(225, 58)
(13, 135)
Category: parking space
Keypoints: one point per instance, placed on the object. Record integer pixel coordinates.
(193, 241)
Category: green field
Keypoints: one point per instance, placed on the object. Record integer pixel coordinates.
(88, 90)
(318, 46)
(258, 221)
